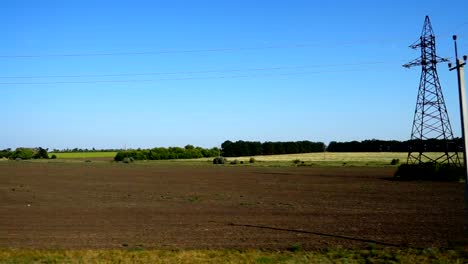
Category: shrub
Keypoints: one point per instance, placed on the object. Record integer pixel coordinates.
(119, 156)
(296, 161)
(295, 248)
(234, 162)
(219, 160)
(395, 161)
(53, 156)
(6, 153)
(431, 171)
(189, 152)
(252, 160)
(22, 153)
(206, 153)
(139, 155)
(41, 154)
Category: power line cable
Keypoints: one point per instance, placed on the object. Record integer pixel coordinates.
(161, 52)
(183, 78)
(195, 72)
(288, 46)
(128, 53)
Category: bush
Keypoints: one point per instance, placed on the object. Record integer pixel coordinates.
(219, 160)
(139, 155)
(430, 171)
(22, 153)
(296, 161)
(252, 160)
(41, 154)
(120, 156)
(234, 162)
(395, 161)
(188, 152)
(53, 156)
(127, 160)
(6, 153)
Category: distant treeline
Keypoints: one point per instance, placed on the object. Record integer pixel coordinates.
(188, 152)
(374, 145)
(24, 153)
(84, 150)
(253, 148)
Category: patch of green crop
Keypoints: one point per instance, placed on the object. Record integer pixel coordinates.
(84, 155)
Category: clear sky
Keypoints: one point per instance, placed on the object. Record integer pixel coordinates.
(109, 74)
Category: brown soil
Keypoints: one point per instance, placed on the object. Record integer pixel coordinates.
(108, 205)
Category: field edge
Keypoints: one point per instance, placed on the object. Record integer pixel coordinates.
(294, 255)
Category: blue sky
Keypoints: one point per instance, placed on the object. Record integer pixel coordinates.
(109, 74)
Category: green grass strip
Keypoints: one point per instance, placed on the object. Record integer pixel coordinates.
(83, 155)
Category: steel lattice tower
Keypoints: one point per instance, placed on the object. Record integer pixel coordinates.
(431, 120)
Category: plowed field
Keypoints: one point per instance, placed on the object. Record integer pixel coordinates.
(110, 205)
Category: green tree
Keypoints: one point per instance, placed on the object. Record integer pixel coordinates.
(41, 154)
(23, 153)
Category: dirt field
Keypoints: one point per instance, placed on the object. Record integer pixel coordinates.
(108, 205)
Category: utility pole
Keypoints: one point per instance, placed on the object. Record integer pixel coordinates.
(459, 66)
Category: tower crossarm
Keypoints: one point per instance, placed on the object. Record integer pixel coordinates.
(421, 61)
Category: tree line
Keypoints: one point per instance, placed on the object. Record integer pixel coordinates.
(67, 150)
(188, 152)
(374, 145)
(24, 153)
(254, 148)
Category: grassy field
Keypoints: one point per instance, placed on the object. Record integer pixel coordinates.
(333, 159)
(339, 156)
(138, 255)
(84, 155)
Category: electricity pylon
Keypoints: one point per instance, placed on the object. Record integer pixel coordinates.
(431, 120)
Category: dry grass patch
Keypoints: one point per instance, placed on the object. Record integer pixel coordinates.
(370, 255)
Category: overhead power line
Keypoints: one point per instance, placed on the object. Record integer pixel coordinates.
(91, 54)
(231, 49)
(184, 78)
(235, 49)
(194, 72)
